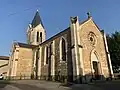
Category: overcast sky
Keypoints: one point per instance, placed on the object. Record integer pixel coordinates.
(15, 15)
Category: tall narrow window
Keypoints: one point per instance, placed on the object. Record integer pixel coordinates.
(36, 64)
(37, 36)
(63, 50)
(46, 55)
(37, 54)
(51, 48)
(40, 36)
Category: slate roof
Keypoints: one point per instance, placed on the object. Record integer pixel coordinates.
(25, 45)
(37, 20)
(4, 58)
(59, 34)
(53, 37)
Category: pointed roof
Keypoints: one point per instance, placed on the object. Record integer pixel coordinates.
(37, 20)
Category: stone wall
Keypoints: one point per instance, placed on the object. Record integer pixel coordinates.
(24, 63)
(32, 34)
(63, 68)
(97, 45)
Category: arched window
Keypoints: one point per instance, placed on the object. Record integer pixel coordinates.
(37, 54)
(40, 36)
(36, 63)
(47, 55)
(63, 48)
(37, 36)
(51, 48)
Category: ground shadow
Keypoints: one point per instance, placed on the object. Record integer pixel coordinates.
(3, 83)
(91, 82)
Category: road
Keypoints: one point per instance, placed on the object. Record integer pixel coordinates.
(47, 85)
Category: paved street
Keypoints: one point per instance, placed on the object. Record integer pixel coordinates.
(46, 85)
(30, 85)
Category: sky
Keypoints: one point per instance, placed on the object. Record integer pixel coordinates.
(15, 15)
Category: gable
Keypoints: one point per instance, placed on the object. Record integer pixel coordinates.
(87, 30)
(90, 25)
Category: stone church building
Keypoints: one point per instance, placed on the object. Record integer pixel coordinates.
(76, 54)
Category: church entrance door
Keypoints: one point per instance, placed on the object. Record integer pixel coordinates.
(95, 69)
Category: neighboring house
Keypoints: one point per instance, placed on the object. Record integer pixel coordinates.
(4, 65)
(77, 54)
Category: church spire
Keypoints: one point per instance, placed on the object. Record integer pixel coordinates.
(36, 33)
(37, 20)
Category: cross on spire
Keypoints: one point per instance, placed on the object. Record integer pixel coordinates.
(89, 15)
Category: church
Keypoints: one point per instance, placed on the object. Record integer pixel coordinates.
(77, 54)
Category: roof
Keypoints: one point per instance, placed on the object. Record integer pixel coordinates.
(4, 58)
(24, 45)
(37, 20)
(53, 37)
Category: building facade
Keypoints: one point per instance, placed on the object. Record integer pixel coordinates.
(77, 54)
(4, 65)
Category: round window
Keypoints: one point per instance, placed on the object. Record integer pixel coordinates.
(92, 38)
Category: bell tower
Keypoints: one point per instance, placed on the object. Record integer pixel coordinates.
(36, 33)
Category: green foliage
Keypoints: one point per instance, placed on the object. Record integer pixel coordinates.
(114, 48)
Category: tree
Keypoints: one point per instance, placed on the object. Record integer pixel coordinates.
(114, 49)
